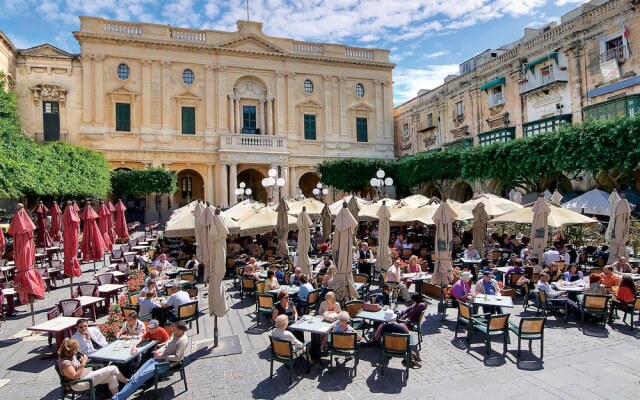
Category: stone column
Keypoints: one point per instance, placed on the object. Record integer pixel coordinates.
(233, 184)
(293, 181)
(146, 93)
(379, 110)
(166, 95)
(291, 81)
(263, 116)
(210, 106)
(99, 89)
(232, 117)
(87, 93)
(284, 173)
(236, 111)
(327, 110)
(209, 185)
(280, 101)
(224, 198)
(270, 116)
(342, 94)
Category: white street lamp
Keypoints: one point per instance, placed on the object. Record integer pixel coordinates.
(380, 183)
(272, 181)
(243, 193)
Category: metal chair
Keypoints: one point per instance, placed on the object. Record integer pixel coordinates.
(88, 289)
(188, 312)
(418, 328)
(179, 367)
(133, 298)
(104, 279)
(596, 305)
(248, 287)
(491, 325)
(529, 328)
(395, 345)
(464, 317)
(282, 351)
(345, 344)
(305, 306)
(633, 310)
(266, 304)
(544, 304)
(188, 276)
(353, 307)
(66, 384)
(71, 308)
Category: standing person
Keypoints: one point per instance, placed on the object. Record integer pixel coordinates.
(364, 259)
(551, 256)
(172, 352)
(89, 339)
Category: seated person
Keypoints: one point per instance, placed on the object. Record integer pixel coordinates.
(461, 290)
(471, 253)
(325, 247)
(192, 263)
(488, 285)
(411, 315)
(390, 325)
(234, 248)
(305, 288)
(325, 264)
(272, 281)
(150, 287)
(535, 263)
(155, 332)
(329, 310)
(595, 285)
(327, 281)
(294, 279)
(171, 352)
(554, 271)
(609, 279)
(544, 284)
(622, 266)
(343, 325)
(162, 262)
(512, 260)
(250, 270)
(572, 274)
(281, 332)
(413, 267)
(147, 304)
(393, 280)
(89, 339)
(132, 328)
(515, 269)
(624, 296)
(177, 298)
(153, 277)
(73, 368)
(285, 307)
(292, 242)
(602, 254)
(279, 274)
(384, 297)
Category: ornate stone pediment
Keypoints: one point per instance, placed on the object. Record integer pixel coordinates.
(361, 107)
(498, 121)
(188, 96)
(123, 94)
(45, 91)
(252, 44)
(460, 132)
(45, 50)
(309, 104)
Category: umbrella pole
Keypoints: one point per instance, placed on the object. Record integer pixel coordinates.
(71, 285)
(33, 314)
(215, 331)
(94, 266)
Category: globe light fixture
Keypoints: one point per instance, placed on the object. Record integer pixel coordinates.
(380, 183)
(272, 181)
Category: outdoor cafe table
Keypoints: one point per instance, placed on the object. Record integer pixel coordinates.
(117, 275)
(472, 264)
(9, 295)
(291, 290)
(565, 287)
(175, 271)
(90, 302)
(493, 300)
(417, 279)
(108, 291)
(8, 271)
(139, 248)
(57, 326)
(317, 327)
(378, 316)
(119, 351)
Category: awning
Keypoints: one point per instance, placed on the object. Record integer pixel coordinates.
(493, 83)
(542, 59)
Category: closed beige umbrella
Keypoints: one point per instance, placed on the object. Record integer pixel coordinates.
(345, 228)
(384, 254)
(326, 221)
(556, 197)
(217, 238)
(540, 226)
(620, 234)
(304, 240)
(198, 231)
(354, 209)
(443, 218)
(480, 218)
(202, 222)
(614, 198)
(282, 228)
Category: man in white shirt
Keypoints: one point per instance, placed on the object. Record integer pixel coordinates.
(394, 280)
(90, 339)
(162, 262)
(471, 253)
(177, 298)
(550, 256)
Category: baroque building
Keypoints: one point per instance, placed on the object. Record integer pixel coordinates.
(583, 67)
(217, 107)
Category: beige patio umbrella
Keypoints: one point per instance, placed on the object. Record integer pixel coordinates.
(384, 254)
(443, 218)
(337, 206)
(345, 228)
(313, 207)
(201, 228)
(304, 240)
(614, 198)
(493, 205)
(558, 217)
(539, 226)
(556, 197)
(282, 228)
(217, 238)
(263, 219)
(620, 234)
(198, 231)
(369, 211)
(326, 221)
(480, 219)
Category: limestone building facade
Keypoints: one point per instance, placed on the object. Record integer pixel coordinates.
(217, 107)
(584, 67)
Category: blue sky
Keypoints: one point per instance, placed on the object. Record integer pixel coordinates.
(427, 38)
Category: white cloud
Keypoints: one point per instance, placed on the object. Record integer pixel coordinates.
(407, 82)
(437, 54)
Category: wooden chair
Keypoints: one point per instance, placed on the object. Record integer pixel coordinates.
(188, 312)
(312, 301)
(282, 351)
(266, 305)
(513, 280)
(239, 273)
(353, 307)
(464, 318)
(544, 304)
(633, 310)
(345, 344)
(193, 292)
(418, 328)
(596, 305)
(248, 287)
(597, 271)
(133, 298)
(406, 254)
(188, 276)
(395, 345)
(529, 328)
(66, 384)
(491, 325)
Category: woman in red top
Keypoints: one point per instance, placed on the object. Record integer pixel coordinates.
(624, 296)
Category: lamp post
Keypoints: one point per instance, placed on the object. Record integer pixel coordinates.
(319, 191)
(273, 181)
(242, 193)
(380, 183)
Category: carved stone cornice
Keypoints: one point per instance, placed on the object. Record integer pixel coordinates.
(45, 91)
(460, 132)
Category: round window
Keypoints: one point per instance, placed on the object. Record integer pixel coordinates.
(308, 86)
(188, 77)
(359, 90)
(123, 72)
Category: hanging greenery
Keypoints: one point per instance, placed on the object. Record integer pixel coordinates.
(353, 174)
(143, 181)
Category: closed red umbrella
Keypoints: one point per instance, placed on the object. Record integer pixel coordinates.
(54, 231)
(71, 226)
(3, 244)
(28, 283)
(92, 242)
(121, 222)
(103, 224)
(76, 208)
(112, 222)
(43, 239)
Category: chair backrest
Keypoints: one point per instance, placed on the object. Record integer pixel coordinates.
(407, 253)
(150, 268)
(266, 301)
(129, 257)
(126, 311)
(532, 325)
(542, 295)
(271, 259)
(353, 307)
(248, 284)
(69, 307)
(239, 271)
(133, 298)
(193, 292)
(536, 278)
(596, 270)
(497, 322)
(424, 253)
(344, 340)
(104, 279)
(116, 253)
(87, 289)
(600, 261)
(53, 313)
(125, 247)
(314, 295)
(320, 278)
(636, 303)
(260, 286)
(123, 267)
(188, 310)
(361, 278)
(188, 276)
(281, 348)
(514, 278)
(395, 342)
(133, 242)
(56, 264)
(495, 255)
(231, 261)
(595, 301)
(464, 310)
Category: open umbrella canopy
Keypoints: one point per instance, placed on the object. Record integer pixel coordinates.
(480, 219)
(93, 246)
(282, 228)
(558, 217)
(304, 241)
(414, 201)
(594, 201)
(217, 233)
(369, 211)
(384, 254)
(27, 283)
(539, 226)
(122, 231)
(493, 205)
(337, 206)
(260, 218)
(71, 227)
(54, 231)
(443, 217)
(345, 228)
(104, 215)
(620, 233)
(424, 214)
(313, 207)
(43, 239)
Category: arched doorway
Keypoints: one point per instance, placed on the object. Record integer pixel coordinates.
(253, 179)
(431, 190)
(136, 205)
(307, 182)
(190, 187)
(461, 192)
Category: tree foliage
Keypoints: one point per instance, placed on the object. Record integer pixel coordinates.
(143, 182)
(353, 174)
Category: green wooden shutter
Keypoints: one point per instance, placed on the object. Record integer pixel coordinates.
(309, 127)
(361, 130)
(188, 120)
(123, 117)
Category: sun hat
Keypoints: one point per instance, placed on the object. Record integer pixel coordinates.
(486, 273)
(389, 315)
(153, 324)
(466, 275)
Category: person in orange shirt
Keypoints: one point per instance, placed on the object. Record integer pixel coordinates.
(155, 332)
(608, 278)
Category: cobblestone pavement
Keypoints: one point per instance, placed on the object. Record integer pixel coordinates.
(589, 363)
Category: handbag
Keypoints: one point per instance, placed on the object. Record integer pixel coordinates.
(371, 307)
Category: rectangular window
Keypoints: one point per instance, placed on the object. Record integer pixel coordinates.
(361, 130)
(610, 109)
(249, 120)
(188, 120)
(310, 127)
(614, 48)
(545, 125)
(496, 97)
(123, 117)
(459, 109)
(429, 120)
(499, 136)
